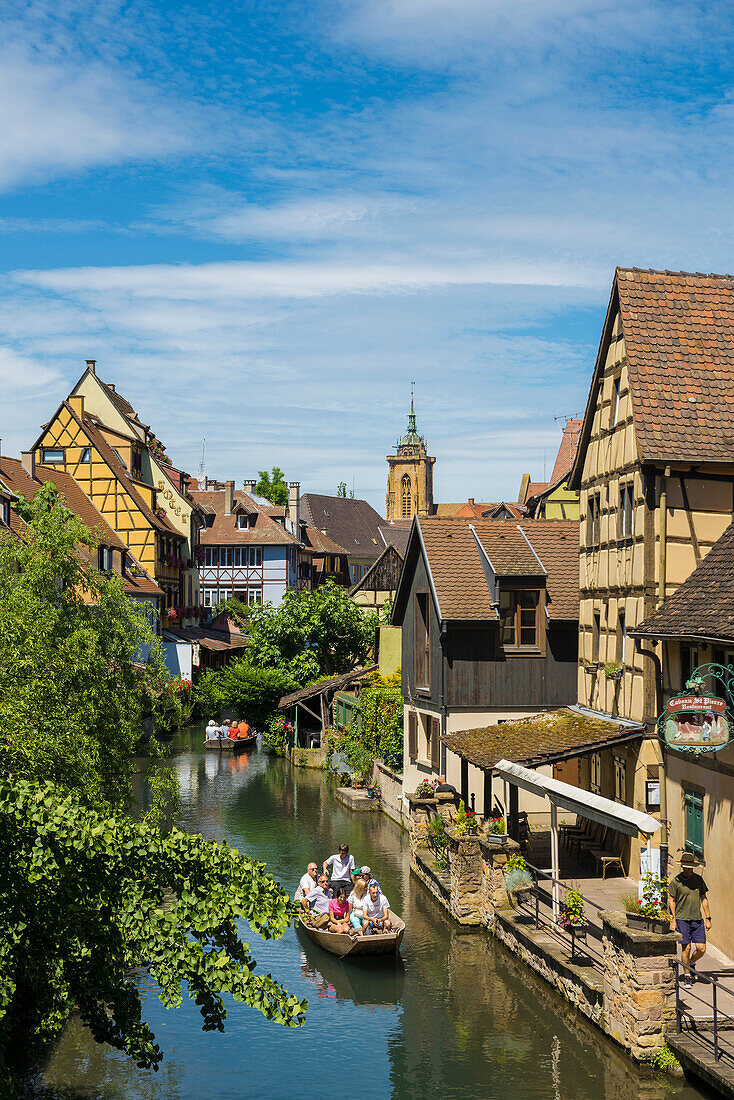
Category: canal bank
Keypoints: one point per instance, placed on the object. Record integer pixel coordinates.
(458, 1016)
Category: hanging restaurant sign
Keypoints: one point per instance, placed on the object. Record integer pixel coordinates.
(696, 721)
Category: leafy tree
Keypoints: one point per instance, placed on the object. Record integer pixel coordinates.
(254, 692)
(84, 898)
(341, 490)
(272, 486)
(311, 634)
(72, 689)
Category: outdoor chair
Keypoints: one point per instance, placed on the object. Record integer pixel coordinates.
(592, 839)
(580, 829)
(604, 856)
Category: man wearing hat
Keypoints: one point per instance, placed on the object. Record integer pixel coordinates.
(688, 899)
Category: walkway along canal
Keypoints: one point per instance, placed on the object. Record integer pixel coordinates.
(458, 1016)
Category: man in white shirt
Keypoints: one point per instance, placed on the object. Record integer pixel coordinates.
(342, 869)
(316, 903)
(307, 883)
(375, 914)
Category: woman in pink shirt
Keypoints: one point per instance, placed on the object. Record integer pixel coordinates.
(339, 912)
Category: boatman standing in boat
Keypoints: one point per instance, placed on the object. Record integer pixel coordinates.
(342, 869)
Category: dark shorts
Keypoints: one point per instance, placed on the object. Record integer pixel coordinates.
(692, 931)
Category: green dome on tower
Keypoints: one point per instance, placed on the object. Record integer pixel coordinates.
(411, 437)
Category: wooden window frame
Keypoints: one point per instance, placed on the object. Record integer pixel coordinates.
(537, 648)
(86, 455)
(593, 520)
(424, 652)
(620, 779)
(434, 743)
(595, 773)
(45, 451)
(622, 639)
(616, 400)
(412, 735)
(626, 512)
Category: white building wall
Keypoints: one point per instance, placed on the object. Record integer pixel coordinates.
(275, 573)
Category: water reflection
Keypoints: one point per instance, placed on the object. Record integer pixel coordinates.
(457, 1016)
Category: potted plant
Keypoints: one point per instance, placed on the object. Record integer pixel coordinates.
(589, 666)
(497, 830)
(374, 791)
(650, 912)
(466, 821)
(613, 670)
(518, 880)
(572, 915)
(425, 789)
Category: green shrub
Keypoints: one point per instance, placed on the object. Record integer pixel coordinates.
(381, 719)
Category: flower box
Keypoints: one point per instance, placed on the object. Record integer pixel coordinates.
(498, 838)
(648, 924)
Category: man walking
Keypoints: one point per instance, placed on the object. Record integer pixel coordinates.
(688, 899)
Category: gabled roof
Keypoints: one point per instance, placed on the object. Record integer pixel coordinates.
(325, 686)
(349, 522)
(703, 606)
(391, 559)
(533, 489)
(504, 510)
(544, 549)
(678, 330)
(566, 451)
(396, 534)
(316, 540)
(225, 532)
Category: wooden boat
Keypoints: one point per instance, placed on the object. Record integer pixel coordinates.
(228, 744)
(344, 945)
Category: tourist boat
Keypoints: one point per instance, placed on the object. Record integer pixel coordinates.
(344, 945)
(228, 744)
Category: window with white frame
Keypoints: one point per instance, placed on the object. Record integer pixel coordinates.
(239, 556)
(225, 594)
(6, 512)
(86, 455)
(256, 556)
(52, 454)
(595, 772)
(210, 597)
(242, 520)
(254, 594)
(211, 557)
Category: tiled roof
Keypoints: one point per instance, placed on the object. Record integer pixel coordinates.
(316, 540)
(534, 488)
(537, 740)
(397, 535)
(349, 522)
(224, 531)
(679, 338)
(539, 548)
(449, 510)
(325, 685)
(703, 606)
(497, 511)
(566, 451)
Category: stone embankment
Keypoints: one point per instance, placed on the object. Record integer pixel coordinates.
(631, 996)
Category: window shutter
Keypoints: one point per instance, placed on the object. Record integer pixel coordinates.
(412, 735)
(694, 822)
(435, 747)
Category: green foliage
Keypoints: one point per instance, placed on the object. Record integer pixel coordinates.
(253, 692)
(426, 788)
(381, 720)
(84, 898)
(237, 610)
(277, 734)
(72, 691)
(466, 822)
(341, 490)
(664, 1060)
(497, 826)
(272, 486)
(311, 634)
(572, 913)
(516, 862)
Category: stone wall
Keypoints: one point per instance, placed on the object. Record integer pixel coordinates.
(391, 785)
(632, 998)
(639, 986)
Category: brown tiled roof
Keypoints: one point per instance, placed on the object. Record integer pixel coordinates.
(516, 510)
(349, 522)
(214, 640)
(539, 548)
(397, 535)
(566, 451)
(703, 606)
(325, 685)
(534, 488)
(537, 740)
(316, 540)
(224, 531)
(449, 510)
(140, 586)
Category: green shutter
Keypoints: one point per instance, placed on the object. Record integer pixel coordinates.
(694, 822)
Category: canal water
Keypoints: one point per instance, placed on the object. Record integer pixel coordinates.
(457, 1016)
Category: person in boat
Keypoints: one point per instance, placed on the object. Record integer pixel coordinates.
(339, 912)
(342, 869)
(316, 903)
(231, 730)
(376, 911)
(308, 882)
(356, 904)
(243, 730)
(212, 731)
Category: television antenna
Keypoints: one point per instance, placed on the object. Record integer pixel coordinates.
(203, 457)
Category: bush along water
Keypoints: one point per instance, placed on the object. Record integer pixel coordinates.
(278, 735)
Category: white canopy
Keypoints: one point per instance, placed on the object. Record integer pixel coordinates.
(614, 815)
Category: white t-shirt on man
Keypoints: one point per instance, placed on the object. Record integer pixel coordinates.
(376, 909)
(340, 869)
(305, 886)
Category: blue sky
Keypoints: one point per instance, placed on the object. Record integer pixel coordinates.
(264, 218)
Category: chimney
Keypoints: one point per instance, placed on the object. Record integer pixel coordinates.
(228, 497)
(77, 403)
(249, 486)
(471, 501)
(28, 458)
(294, 505)
(92, 365)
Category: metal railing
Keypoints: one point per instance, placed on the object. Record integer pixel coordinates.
(716, 987)
(540, 897)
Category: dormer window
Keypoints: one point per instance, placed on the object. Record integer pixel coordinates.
(325, 512)
(5, 512)
(105, 559)
(519, 619)
(52, 455)
(243, 521)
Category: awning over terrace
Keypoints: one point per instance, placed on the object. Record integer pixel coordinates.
(615, 815)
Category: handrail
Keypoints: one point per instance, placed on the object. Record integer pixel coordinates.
(571, 932)
(676, 965)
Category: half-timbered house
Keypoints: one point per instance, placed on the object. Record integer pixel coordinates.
(246, 554)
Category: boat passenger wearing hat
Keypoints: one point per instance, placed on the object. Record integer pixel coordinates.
(688, 899)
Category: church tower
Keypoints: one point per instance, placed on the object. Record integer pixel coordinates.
(410, 475)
